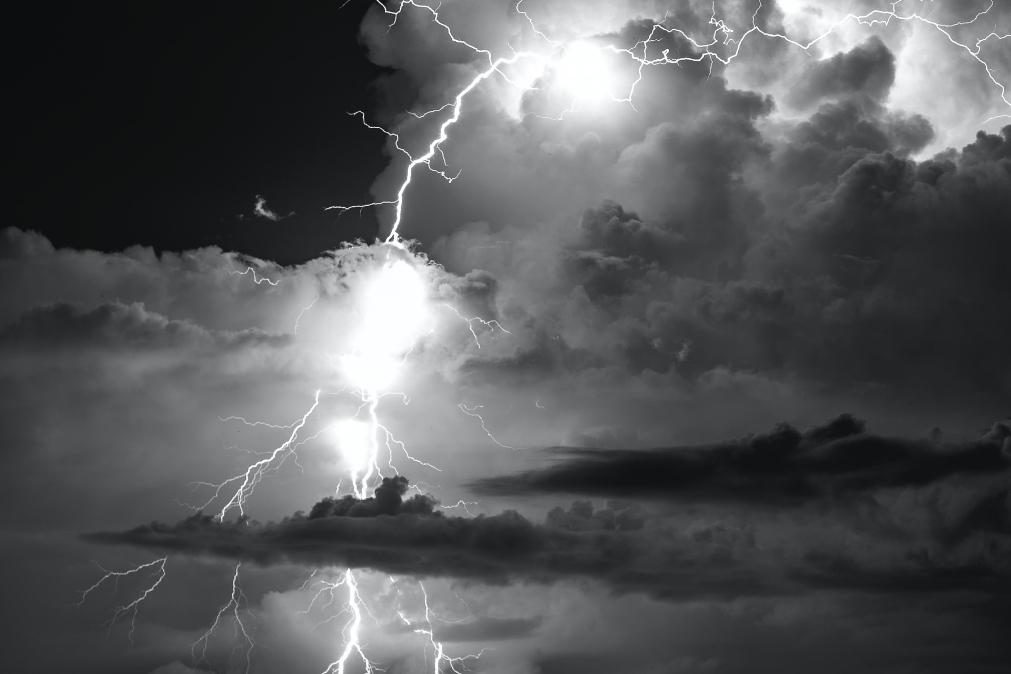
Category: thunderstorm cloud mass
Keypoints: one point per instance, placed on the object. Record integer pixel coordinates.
(531, 337)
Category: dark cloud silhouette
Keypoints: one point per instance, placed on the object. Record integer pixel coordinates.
(783, 467)
(623, 547)
(388, 500)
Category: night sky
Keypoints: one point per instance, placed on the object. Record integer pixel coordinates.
(708, 373)
(157, 124)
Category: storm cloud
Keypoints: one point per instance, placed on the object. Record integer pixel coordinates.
(780, 468)
(621, 546)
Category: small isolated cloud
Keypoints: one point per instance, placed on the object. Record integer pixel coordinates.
(261, 210)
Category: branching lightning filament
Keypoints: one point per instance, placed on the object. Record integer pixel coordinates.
(235, 602)
(352, 631)
(133, 606)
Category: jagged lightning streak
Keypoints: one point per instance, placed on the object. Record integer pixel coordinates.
(471, 321)
(439, 651)
(233, 606)
(352, 636)
(255, 472)
(722, 35)
(494, 65)
(257, 279)
(132, 607)
(434, 148)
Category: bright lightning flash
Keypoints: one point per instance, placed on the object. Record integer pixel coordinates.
(394, 312)
(586, 73)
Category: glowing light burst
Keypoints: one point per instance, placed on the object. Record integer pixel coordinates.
(585, 72)
(394, 313)
(395, 309)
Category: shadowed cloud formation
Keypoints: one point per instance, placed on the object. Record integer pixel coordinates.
(631, 550)
(782, 467)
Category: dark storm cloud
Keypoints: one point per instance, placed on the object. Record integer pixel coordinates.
(839, 134)
(868, 70)
(619, 546)
(399, 536)
(859, 266)
(784, 467)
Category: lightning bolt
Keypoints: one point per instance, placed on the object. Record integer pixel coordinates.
(471, 321)
(439, 651)
(463, 505)
(131, 608)
(255, 472)
(472, 411)
(234, 604)
(722, 35)
(257, 278)
(352, 631)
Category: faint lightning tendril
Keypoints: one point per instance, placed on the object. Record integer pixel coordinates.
(472, 411)
(257, 279)
(132, 607)
(439, 651)
(234, 604)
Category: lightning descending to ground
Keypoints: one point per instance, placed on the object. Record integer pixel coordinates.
(233, 606)
(396, 309)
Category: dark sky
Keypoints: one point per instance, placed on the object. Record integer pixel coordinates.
(158, 123)
(711, 381)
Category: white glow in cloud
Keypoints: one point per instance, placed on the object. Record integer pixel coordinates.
(585, 72)
(393, 313)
